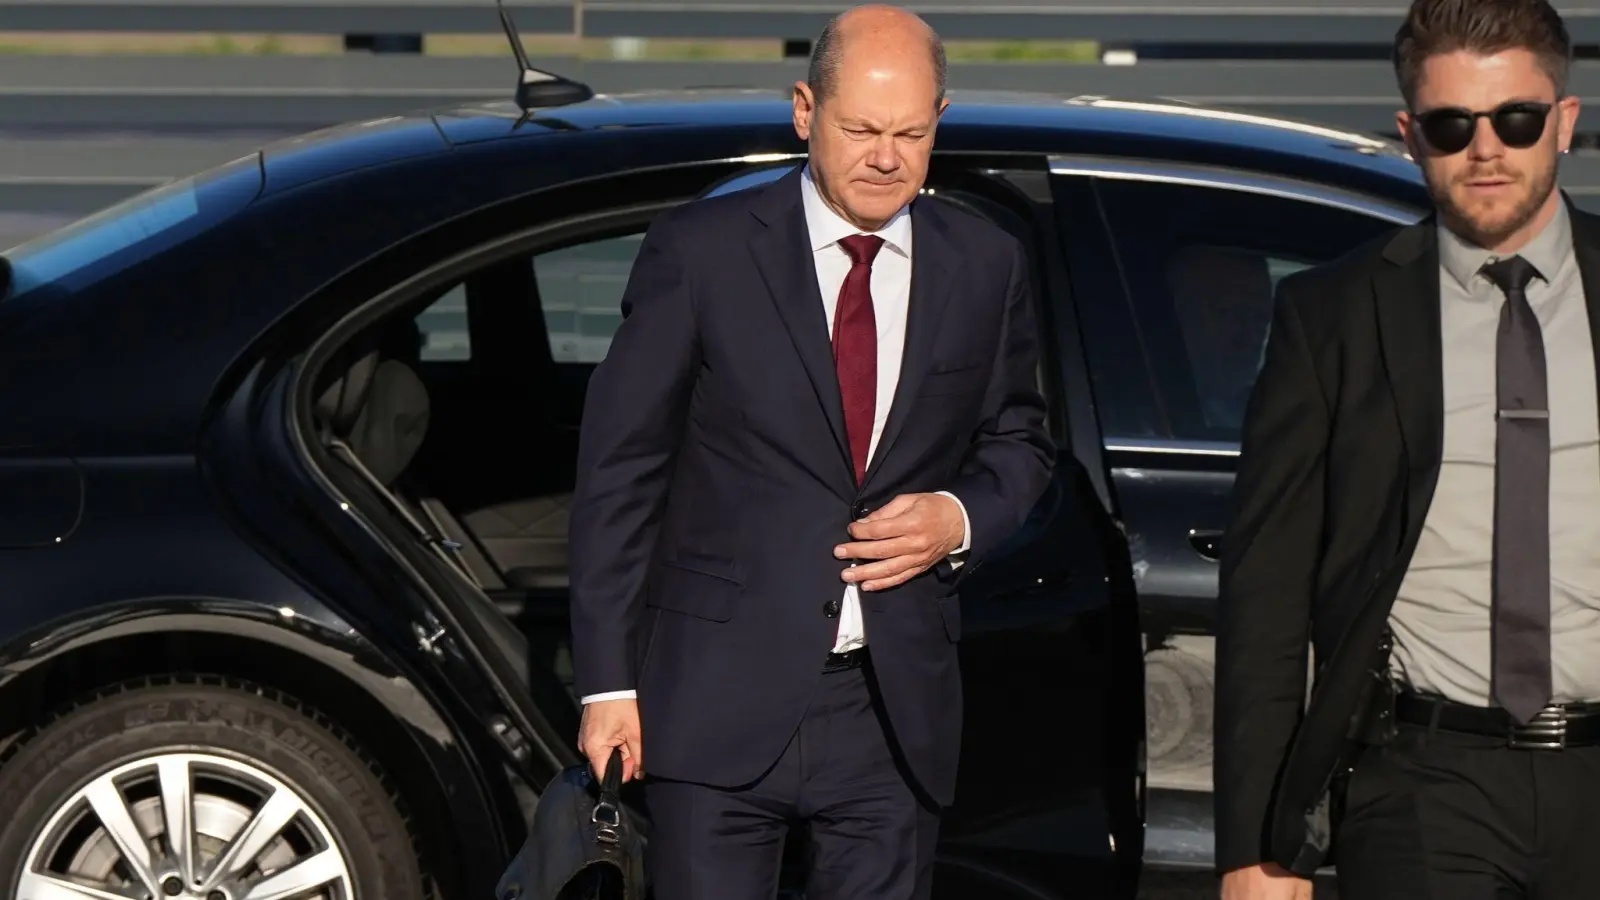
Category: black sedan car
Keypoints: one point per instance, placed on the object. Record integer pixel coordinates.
(286, 450)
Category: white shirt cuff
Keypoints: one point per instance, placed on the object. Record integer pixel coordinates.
(611, 695)
(958, 555)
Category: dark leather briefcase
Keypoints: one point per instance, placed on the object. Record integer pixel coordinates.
(582, 844)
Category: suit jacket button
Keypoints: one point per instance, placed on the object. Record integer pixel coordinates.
(831, 609)
(860, 511)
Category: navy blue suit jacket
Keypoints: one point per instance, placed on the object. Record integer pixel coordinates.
(715, 480)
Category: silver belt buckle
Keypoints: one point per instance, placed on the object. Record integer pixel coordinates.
(1546, 731)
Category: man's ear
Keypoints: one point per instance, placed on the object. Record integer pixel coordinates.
(1569, 107)
(1402, 123)
(805, 107)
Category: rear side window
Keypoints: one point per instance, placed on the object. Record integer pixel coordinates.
(1201, 265)
(581, 286)
(102, 244)
(443, 328)
(581, 289)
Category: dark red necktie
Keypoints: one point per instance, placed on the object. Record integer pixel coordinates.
(855, 347)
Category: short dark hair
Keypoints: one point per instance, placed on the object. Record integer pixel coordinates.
(827, 55)
(1433, 27)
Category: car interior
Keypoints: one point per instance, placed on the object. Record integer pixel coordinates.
(374, 416)
(457, 413)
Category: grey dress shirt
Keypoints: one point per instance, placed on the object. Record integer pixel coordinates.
(1440, 619)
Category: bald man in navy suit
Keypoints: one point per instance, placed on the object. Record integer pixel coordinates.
(820, 412)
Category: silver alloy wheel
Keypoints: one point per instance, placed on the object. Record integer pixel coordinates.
(185, 826)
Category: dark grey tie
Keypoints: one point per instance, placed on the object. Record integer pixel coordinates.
(1521, 592)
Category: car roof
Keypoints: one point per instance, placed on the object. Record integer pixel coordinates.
(1134, 119)
(994, 121)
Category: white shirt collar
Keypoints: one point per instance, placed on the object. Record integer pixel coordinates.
(827, 227)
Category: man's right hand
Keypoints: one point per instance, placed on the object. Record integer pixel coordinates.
(608, 724)
(1267, 881)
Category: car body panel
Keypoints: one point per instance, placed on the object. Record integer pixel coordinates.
(44, 498)
(87, 371)
(336, 151)
(176, 575)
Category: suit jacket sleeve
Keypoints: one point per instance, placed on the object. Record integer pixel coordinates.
(1269, 561)
(1011, 456)
(635, 414)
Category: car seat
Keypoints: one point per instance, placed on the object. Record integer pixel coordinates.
(374, 417)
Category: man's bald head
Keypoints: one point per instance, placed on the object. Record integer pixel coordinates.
(873, 29)
(881, 70)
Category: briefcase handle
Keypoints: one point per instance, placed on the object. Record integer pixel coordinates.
(607, 814)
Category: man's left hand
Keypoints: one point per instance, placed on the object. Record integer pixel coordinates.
(906, 536)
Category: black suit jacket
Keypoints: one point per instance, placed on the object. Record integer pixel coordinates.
(1343, 439)
(714, 480)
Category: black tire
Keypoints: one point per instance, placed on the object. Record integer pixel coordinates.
(1178, 700)
(252, 726)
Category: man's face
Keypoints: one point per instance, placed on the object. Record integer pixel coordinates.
(870, 139)
(1490, 191)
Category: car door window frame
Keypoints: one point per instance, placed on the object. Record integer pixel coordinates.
(1226, 179)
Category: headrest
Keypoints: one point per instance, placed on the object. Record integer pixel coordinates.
(390, 427)
(1222, 297)
(340, 402)
(1223, 301)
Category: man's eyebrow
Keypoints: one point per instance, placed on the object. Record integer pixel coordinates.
(873, 126)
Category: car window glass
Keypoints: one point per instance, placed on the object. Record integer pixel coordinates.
(1202, 265)
(580, 288)
(443, 324)
(745, 180)
(1222, 301)
(1119, 363)
(136, 229)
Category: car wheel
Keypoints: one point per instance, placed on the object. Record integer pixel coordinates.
(199, 791)
(1178, 701)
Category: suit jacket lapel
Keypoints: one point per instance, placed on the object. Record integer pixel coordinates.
(1406, 291)
(934, 258)
(1586, 247)
(782, 250)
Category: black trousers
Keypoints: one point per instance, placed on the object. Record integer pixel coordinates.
(872, 835)
(1446, 816)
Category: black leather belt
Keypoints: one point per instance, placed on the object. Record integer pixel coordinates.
(1557, 727)
(850, 659)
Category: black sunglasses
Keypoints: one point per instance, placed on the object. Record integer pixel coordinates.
(1519, 124)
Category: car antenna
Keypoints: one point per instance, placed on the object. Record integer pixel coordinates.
(536, 88)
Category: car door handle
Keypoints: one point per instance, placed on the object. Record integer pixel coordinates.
(1206, 542)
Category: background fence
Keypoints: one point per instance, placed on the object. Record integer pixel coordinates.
(102, 99)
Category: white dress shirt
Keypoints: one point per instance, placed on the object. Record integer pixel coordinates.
(891, 299)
